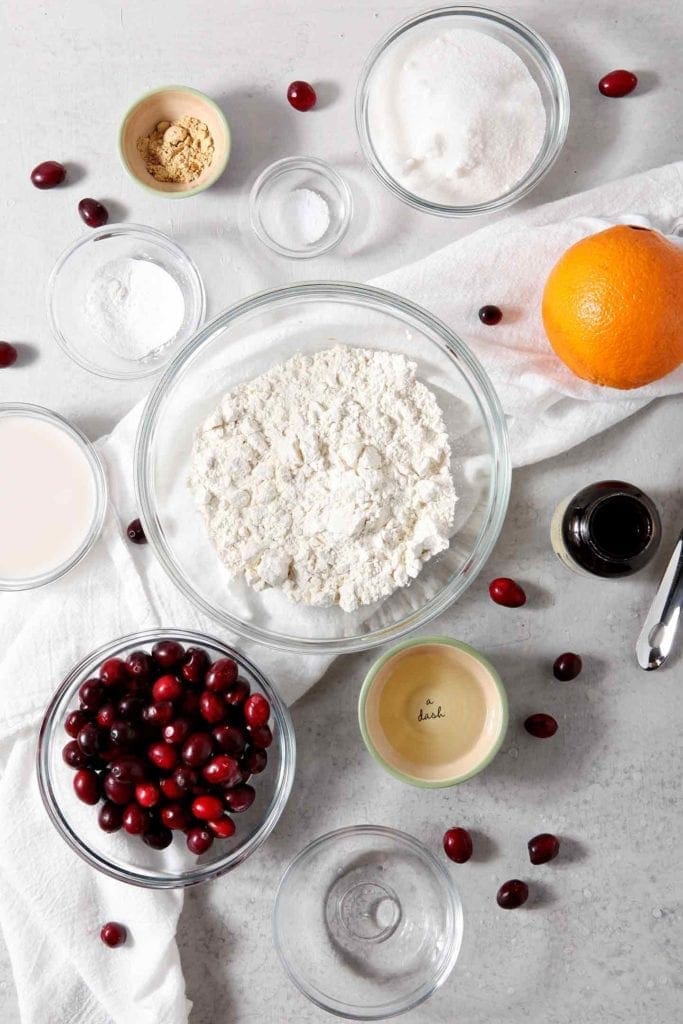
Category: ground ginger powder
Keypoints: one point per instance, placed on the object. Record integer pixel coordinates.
(177, 151)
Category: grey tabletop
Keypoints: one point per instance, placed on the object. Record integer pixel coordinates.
(601, 936)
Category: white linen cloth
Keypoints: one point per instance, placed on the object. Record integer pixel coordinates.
(51, 904)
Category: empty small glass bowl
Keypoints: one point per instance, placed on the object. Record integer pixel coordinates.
(126, 857)
(75, 272)
(300, 207)
(367, 922)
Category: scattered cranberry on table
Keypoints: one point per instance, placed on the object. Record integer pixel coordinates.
(512, 894)
(505, 591)
(543, 848)
(8, 355)
(301, 96)
(617, 83)
(457, 844)
(113, 934)
(49, 174)
(490, 315)
(135, 532)
(541, 726)
(567, 666)
(93, 213)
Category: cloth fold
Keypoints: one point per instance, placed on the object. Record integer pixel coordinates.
(52, 905)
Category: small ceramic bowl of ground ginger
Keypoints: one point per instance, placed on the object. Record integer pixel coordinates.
(175, 141)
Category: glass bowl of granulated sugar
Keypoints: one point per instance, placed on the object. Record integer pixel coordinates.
(323, 468)
(461, 110)
(123, 300)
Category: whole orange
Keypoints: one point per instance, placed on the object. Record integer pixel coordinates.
(613, 307)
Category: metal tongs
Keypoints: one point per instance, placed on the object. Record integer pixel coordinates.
(657, 635)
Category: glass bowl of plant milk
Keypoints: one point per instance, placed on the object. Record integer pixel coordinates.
(461, 110)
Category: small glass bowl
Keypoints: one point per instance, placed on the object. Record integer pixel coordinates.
(541, 63)
(126, 857)
(75, 270)
(37, 412)
(367, 922)
(273, 209)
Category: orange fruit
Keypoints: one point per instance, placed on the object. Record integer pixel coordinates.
(613, 307)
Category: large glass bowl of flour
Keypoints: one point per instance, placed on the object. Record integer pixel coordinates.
(251, 338)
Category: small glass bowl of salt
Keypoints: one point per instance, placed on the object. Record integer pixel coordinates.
(300, 207)
(123, 300)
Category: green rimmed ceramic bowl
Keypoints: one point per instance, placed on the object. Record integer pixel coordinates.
(433, 711)
(168, 103)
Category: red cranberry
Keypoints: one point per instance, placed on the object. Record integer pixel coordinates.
(221, 675)
(106, 716)
(135, 820)
(91, 694)
(237, 693)
(457, 844)
(543, 848)
(74, 722)
(211, 707)
(541, 726)
(8, 355)
(89, 739)
(490, 315)
(175, 816)
(207, 807)
(254, 761)
(199, 840)
(256, 710)
(260, 736)
(195, 666)
(118, 792)
(130, 709)
(223, 827)
(177, 730)
(125, 734)
(113, 934)
(158, 837)
(197, 749)
(48, 174)
(239, 798)
(230, 739)
(617, 83)
(168, 654)
(87, 786)
(93, 213)
(74, 756)
(139, 665)
(189, 705)
(185, 779)
(512, 894)
(114, 672)
(128, 768)
(301, 95)
(159, 714)
(167, 688)
(170, 788)
(163, 755)
(147, 794)
(567, 666)
(222, 769)
(109, 817)
(135, 532)
(506, 592)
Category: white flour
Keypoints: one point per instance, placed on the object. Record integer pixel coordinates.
(455, 116)
(328, 476)
(134, 306)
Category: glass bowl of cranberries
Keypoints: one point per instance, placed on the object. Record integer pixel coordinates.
(165, 758)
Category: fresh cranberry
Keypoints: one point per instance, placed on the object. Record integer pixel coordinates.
(211, 707)
(176, 731)
(110, 817)
(93, 213)
(237, 693)
(230, 739)
(87, 786)
(74, 722)
(73, 755)
(147, 794)
(567, 666)
(128, 768)
(139, 665)
(89, 739)
(118, 792)
(197, 749)
(301, 95)
(221, 675)
(617, 83)
(239, 798)
(135, 532)
(130, 709)
(106, 716)
(168, 654)
(170, 788)
(113, 934)
(195, 666)
(185, 779)
(8, 355)
(159, 714)
(189, 705)
(222, 768)
(223, 827)
(490, 315)
(512, 894)
(199, 840)
(457, 844)
(125, 734)
(175, 816)
(48, 174)
(167, 688)
(506, 592)
(158, 837)
(163, 755)
(114, 672)
(541, 726)
(91, 694)
(256, 710)
(543, 848)
(254, 761)
(260, 736)
(135, 820)
(207, 807)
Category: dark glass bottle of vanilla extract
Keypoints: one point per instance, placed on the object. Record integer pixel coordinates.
(608, 529)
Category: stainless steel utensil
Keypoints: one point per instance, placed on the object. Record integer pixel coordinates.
(657, 635)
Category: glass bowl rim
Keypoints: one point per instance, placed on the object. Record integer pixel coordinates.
(88, 449)
(48, 735)
(536, 172)
(134, 231)
(492, 416)
(291, 163)
(455, 918)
